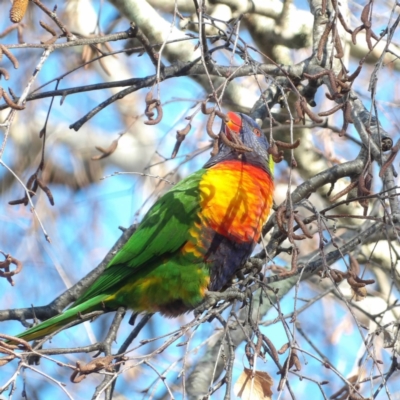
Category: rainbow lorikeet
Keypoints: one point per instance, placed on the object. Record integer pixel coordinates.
(192, 240)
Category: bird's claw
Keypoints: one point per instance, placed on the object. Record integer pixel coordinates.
(212, 298)
(251, 268)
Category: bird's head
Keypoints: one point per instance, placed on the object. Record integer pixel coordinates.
(250, 135)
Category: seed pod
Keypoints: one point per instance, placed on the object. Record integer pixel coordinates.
(48, 28)
(9, 55)
(284, 348)
(365, 13)
(354, 75)
(285, 145)
(206, 110)
(46, 190)
(18, 10)
(4, 72)
(11, 104)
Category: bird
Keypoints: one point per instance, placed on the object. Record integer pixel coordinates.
(192, 241)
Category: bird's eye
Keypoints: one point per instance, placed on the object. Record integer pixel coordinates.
(257, 132)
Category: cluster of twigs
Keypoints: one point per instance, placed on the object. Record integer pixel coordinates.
(264, 346)
(17, 12)
(366, 15)
(250, 279)
(340, 84)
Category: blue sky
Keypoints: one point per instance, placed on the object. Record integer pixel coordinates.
(85, 223)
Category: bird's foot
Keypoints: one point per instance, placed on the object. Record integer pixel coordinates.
(212, 298)
(252, 268)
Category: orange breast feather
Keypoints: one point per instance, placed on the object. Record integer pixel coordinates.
(236, 199)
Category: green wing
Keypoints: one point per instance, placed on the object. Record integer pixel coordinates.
(163, 231)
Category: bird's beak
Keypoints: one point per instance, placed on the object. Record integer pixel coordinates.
(234, 124)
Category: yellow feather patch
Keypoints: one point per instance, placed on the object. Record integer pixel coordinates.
(191, 248)
(194, 245)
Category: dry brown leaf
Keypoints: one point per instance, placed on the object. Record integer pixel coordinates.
(258, 387)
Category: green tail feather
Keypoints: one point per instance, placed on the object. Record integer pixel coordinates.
(57, 322)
